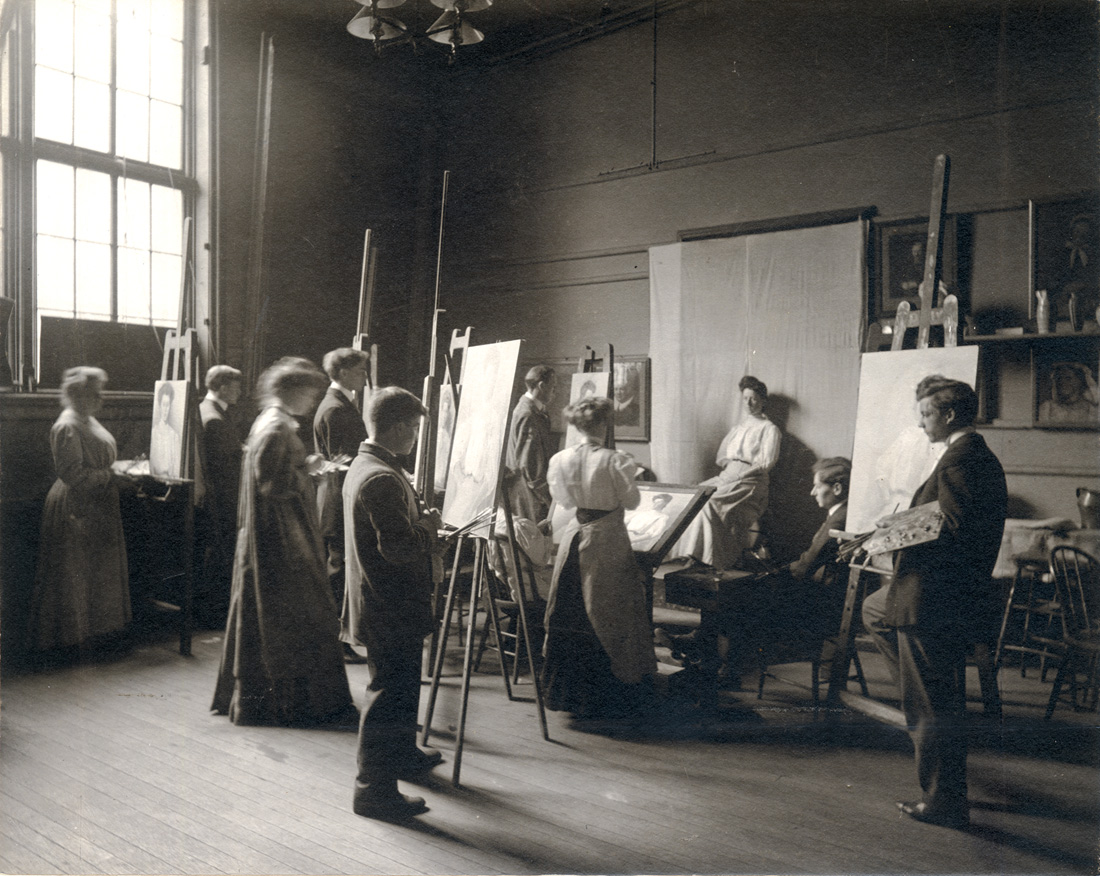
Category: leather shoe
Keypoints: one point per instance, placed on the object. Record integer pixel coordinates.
(422, 760)
(957, 819)
(351, 656)
(391, 806)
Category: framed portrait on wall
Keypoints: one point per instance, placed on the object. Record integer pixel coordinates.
(631, 396)
(900, 256)
(1065, 258)
(1066, 395)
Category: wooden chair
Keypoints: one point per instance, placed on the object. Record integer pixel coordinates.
(1077, 588)
(1031, 623)
(804, 642)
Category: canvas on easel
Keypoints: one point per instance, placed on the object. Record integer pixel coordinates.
(892, 457)
(480, 431)
(168, 440)
(588, 383)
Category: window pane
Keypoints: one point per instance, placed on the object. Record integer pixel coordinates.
(55, 274)
(133, 214)
(93, 206)
(167, 18)
(93, 46)
(167, 220)
(53, 105)
(166, 288)
(132, 126)
(53, 34)
(92, 122)
(165, 130)
(54, 197)
(133, 285)
(132, 63)
(93, 280)
(166, 74)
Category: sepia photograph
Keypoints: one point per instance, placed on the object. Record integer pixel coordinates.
(244, 247)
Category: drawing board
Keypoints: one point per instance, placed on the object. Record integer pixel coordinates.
(481, 428)
(892, 457)
(167, 445)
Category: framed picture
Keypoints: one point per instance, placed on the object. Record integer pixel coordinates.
(1065, 258)
(167, 445)
(631, 396)
(1066, 395)
(900, 256)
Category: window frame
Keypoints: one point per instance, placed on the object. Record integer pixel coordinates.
(20, 150)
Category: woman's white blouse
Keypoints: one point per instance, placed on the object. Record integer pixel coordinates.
(589, 476)
(754, 442)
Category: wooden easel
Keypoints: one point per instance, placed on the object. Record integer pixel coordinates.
(590, 363)
(948, 316)
(362, 340)
(478, 589)
(180, 362)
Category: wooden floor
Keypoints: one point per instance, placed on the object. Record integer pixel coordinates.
(118, 767)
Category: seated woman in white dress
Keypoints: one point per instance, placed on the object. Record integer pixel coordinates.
(599, 642)
(719, 535)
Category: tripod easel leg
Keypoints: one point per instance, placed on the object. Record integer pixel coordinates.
(468, 659)
(439, 652)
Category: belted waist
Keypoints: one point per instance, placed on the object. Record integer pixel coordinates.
(591, 515)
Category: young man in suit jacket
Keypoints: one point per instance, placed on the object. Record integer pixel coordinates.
(390, 539)
(925, 620)
(222, 439)
(338, 430)
(530, 446)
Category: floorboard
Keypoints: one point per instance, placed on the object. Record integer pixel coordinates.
(119, 767)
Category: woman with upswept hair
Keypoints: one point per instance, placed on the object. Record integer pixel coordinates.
(281, 662)
(599, 642)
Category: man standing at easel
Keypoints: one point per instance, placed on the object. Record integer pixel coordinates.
(929, 615)
(390, 540)
(338, 430)
(530, 446)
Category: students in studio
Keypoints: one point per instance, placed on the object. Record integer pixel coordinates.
(599, 642)
(719, 534)
(81, 590)
(390, 540)
(924, 621)
(338, 430)
(221, 454)
(281, 661)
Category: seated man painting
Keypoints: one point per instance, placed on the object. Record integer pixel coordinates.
(799, 599)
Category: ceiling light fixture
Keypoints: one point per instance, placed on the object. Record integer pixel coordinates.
(377, 22)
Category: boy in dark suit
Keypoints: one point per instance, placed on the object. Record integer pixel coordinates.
(390, 539)
(338, 430)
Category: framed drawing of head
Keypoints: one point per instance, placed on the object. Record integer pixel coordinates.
(167, 445)
(631, 397)
(1066, 395)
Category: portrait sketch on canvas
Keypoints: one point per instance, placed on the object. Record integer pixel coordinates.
(166, 447)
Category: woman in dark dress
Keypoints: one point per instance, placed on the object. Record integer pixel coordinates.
(81, 590)
(599, 643)
(281, 663)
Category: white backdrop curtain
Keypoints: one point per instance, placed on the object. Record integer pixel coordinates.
(786, 307)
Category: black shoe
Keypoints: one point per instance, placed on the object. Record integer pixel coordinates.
(351, 655)
(423, 760)
(956, 818)
(390, 806)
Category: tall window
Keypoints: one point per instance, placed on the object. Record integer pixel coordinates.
(110, 181)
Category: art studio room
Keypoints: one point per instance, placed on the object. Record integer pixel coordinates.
(549, 436)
